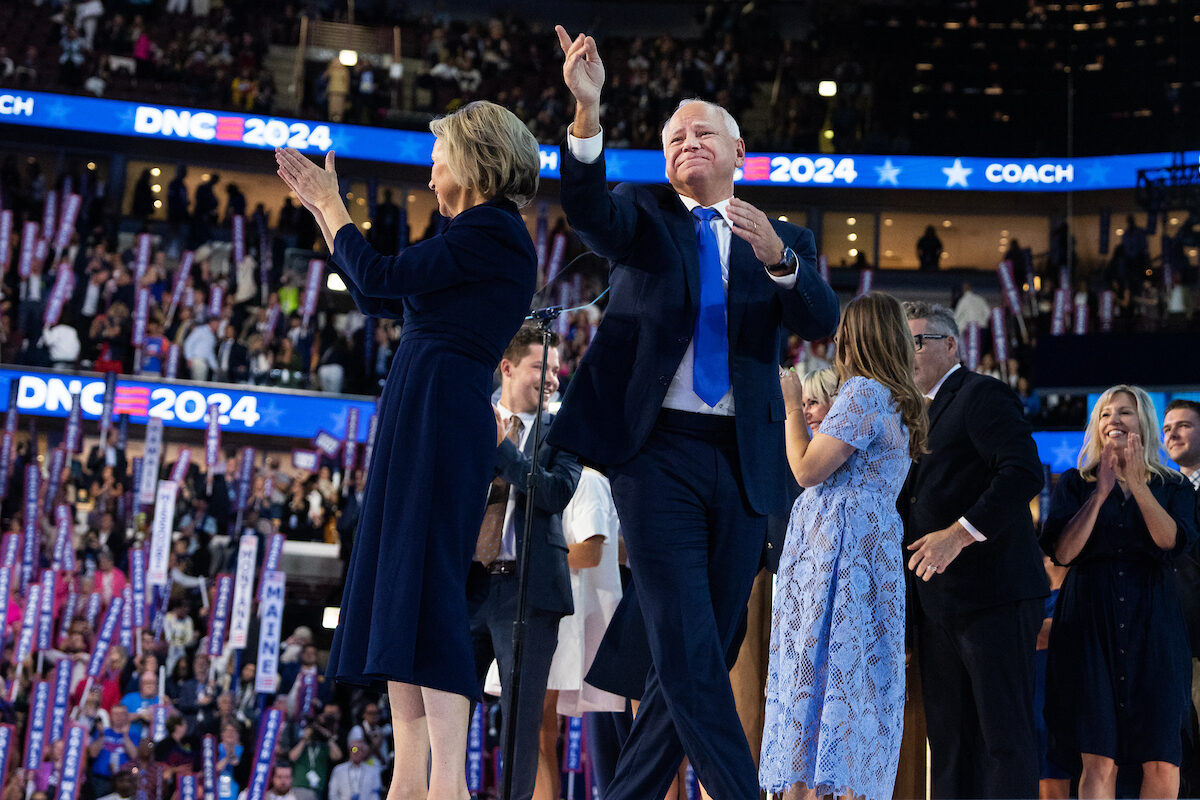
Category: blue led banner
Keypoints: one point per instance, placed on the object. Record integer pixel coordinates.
(232, 129)
(183, 405)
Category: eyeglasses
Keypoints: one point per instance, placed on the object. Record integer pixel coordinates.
(919, 339)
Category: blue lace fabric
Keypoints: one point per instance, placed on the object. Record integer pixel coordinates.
(835, 685)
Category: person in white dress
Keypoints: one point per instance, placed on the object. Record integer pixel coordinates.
(592, 531)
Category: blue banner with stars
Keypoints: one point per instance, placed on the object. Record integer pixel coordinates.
(180, 404)
(233, 129)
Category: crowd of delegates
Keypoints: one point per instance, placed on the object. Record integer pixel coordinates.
(213, 57)
(324, 748)
(222, 319)
(505, 60)
(950, 92)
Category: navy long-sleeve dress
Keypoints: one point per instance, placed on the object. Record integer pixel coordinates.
(461, 296)
(1119, 668)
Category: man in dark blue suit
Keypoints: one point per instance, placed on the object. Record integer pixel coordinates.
(678, 400)
(492, 582)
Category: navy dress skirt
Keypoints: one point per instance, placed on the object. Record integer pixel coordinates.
(461, 296)
(1119, 672)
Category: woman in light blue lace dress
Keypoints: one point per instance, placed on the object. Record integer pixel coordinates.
(835, 686)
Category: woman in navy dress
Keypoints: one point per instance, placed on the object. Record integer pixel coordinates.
(1118, 673)
(461, 297)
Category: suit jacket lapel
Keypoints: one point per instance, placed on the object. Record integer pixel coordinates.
(945, 395)
(682, 226)
(737, 297)
(545, 431)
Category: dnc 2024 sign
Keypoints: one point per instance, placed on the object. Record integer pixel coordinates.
(182, 405)
(232, 129)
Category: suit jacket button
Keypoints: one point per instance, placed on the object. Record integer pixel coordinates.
(770, 546)
(912, 501)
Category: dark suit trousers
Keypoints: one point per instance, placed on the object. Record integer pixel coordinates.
(977, 675)
(694, 546)
(492, 601)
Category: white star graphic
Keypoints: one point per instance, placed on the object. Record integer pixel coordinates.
(337, 422)
(956, 175)
(888, 173)
(614, 166)
(271, 415)
(1064, 454)
(1097, 175)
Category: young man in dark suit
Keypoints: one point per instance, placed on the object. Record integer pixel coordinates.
(678, 399)
(977, 571)
(493, 580)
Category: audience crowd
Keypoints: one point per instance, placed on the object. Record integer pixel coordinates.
(161, 690)
(249, 320)
(911, 77)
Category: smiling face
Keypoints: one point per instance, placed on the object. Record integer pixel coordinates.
(1118, 418)
(1181, 438)
(701, 153)
(451, 195)
(815, 410)
(520, 380)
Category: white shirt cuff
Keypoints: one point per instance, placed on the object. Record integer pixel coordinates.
(585, 151)
(971, 529)
(785, 281)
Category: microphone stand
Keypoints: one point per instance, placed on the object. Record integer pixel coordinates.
(544, 317)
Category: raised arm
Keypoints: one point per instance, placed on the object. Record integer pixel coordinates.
(812, 459)
(810, 308)
(1071, 519)
(583, 72)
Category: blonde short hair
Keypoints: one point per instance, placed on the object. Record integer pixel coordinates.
(491, 151)
(1089, 455)
(820, 384)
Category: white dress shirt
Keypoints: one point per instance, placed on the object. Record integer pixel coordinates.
(680, 394)
(932, 393)
(350, 781)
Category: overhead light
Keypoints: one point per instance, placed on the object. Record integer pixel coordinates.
(348, 58)
(853, 237)
(827, 88)
(156, 188)
(945, 223)
(888, 222)
(827, 133)
(335, 283)
(91, 165)
(851, 221)
(853, 252)
(158, 203)
(783, 218)
(329, 620)
(156, 172)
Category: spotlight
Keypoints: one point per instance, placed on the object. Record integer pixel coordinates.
(827, 88)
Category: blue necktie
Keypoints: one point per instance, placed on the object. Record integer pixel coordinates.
(710, 353)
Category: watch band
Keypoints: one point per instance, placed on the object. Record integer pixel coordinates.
(787, 260)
